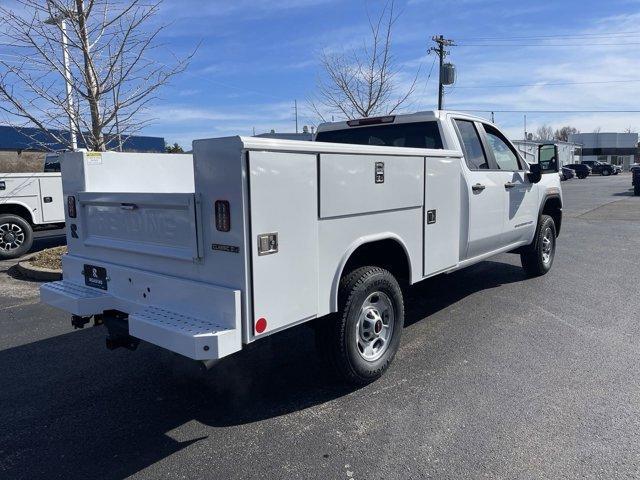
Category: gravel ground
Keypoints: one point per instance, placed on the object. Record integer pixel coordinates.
(498, 376)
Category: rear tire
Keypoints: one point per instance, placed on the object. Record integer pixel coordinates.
(362, 338)
(606, 173)
(16, 236)
(538, 257)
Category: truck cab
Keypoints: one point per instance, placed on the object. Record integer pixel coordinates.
(501, 198)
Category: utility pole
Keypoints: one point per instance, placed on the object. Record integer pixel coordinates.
(439, 50)
(295, 107)
(61, 22)
(493, 119)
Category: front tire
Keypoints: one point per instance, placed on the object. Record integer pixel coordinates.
(538, 257)
(16, 236)
(636, 190)
(362, 338)
(606, 173)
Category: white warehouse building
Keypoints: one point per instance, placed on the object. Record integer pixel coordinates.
(568, 152)
(614, 148)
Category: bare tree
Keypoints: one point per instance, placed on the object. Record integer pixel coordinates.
(112, 74)
(544, 132)
(597, 130)
(563, 133)
(363, 83)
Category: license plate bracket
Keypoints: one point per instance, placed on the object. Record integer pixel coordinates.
(95, 276)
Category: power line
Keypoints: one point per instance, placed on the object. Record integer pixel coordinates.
(547, 44)
(545, 111)
(569, 35)
(547, 84)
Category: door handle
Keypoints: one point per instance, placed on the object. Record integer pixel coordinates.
(478, 187)
(509, 185)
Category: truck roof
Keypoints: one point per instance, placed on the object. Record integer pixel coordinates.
(423, 116)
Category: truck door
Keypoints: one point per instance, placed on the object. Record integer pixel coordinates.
(520, 195)
(51, 199)
(484, 195)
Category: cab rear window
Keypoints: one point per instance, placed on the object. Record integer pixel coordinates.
(411, 135)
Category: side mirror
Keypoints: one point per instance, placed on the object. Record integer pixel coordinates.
(535, 173)
(548, 158)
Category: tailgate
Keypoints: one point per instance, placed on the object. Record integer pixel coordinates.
(158, 224)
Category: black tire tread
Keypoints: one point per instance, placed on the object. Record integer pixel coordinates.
(26, 246)
(530, 257)
(332, 332)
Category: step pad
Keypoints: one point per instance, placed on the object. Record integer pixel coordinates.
(77, 299)
(189, 336)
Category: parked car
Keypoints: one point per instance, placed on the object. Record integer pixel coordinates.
(582, 170)
(566, 173)
(600, 168)
(635, 181)
(328, 232)
(634, 166)
(617, 169)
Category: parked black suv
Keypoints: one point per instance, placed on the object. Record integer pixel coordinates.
(582, 170)
(599, 167)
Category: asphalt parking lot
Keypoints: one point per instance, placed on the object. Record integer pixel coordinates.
(498, 376)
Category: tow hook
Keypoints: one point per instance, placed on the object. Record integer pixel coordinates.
(79, 322)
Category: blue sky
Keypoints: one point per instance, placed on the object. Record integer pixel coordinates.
(257, 56)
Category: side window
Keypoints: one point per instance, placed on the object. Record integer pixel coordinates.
(505, 157)
(473, 151)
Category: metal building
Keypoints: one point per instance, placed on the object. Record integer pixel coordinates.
(614, 148)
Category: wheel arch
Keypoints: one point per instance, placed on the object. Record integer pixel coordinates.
(19, 209)
(367, 251)
(552, 205)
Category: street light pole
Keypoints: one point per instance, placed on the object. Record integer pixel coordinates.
(61, 21)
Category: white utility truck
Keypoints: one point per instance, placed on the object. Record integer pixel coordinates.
(280, 232)
(28, 201)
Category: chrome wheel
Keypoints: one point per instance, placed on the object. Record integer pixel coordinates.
(12, 237)
(375, 326)
(547, 245)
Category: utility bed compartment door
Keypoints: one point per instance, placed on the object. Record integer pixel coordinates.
(284, 238)
(51, 198)
(442, 210)
(158, 224)
(357, 184)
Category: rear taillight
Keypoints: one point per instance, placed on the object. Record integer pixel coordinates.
(223, 216)
(71, 206)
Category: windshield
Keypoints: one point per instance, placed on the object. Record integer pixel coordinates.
(412, 135)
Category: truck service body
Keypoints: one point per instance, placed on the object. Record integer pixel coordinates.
(278, 232)
(28, 201)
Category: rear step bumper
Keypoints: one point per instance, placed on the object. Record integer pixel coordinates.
(195, 319)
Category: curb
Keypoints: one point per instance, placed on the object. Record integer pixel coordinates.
(37, 273)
